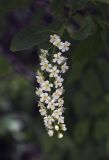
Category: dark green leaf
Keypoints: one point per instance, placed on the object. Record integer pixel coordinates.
(91, 84)
(88, 48)
(103, 1)
(88, 28)
(80, 4)
(75, 72)
(29, 37)
(57, 7)
(32, 36)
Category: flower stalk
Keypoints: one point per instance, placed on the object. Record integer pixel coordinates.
(50, 90)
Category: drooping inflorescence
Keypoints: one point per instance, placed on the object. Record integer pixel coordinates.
(50, 90)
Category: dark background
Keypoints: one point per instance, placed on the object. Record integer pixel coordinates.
(22, 133)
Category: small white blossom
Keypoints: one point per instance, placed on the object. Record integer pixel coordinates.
(45, 98)
(57, 113)
(57, 93)
(60, 102)
(64, 68)
(61, 119)
(64, 46)
(54, 72)
(54, 39)
(58, 82)
(44, 52)
(45, 66)
(46, 86)
(48, 120)
(42, 111)
(58, 58)
(39, 91)
(56, 127)
(63, 126)
(39, 77)
(50, 133)
(60, 135)
(52, 104)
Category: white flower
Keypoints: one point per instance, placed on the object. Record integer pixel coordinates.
(48, 120)
(39, 77)
(42, 111)
(57, 93)
(61, 119)
(54, 72)
(44, 52)
(63, 127)
(56, 127)
(50, 133)
(46, 86)
(51, 105)
(64, 67)
(60, 135)
(45, 98)
(60, 102)
(54, 39)
(45, 65)
(57, 113)
(39, 91)
(58, 58)
(64, 46)
(58, 82)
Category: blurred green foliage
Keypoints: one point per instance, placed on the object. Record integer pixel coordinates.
(85, 23)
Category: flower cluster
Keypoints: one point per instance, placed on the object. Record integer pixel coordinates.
(50, 90)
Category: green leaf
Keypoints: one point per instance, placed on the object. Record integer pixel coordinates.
(88, 49)
(32, 36)
(91, 84)
(79, 5)
(57, 7)
(88, 28)
(103, 1)
(29, 37)
(75, 72)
